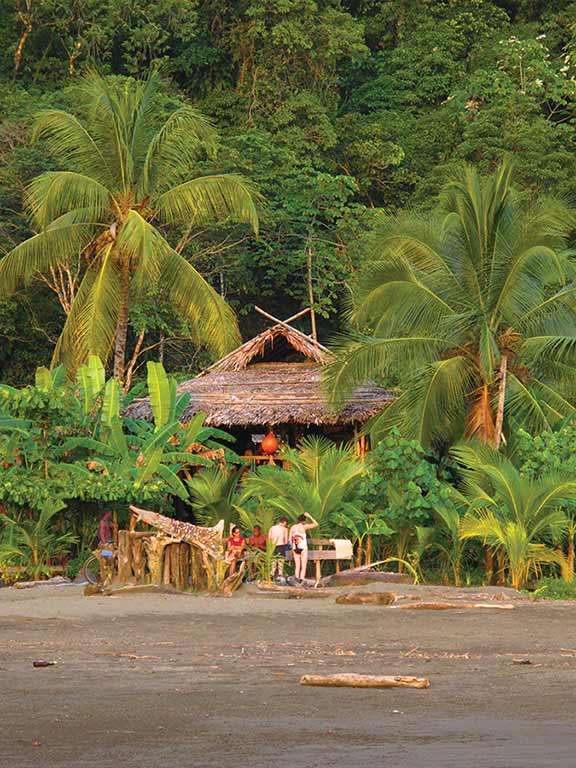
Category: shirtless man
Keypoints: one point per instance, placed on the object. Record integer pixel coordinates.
(278, 535)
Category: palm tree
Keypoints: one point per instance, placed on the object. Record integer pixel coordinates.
(517, 517)
(321, 480)
(472, 310)
(35, 543)
(214, 495)
(129, 175)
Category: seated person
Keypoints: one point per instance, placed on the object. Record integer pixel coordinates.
(257, 541)
(235, 548)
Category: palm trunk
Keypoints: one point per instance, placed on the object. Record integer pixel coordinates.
(571, 548)
(122, 326)
(489, 565)
(501, 399)
(368, 552)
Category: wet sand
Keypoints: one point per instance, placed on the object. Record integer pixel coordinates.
(158, 681)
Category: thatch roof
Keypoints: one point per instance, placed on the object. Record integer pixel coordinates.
(275, 378)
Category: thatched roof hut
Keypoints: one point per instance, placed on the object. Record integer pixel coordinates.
(274, 378)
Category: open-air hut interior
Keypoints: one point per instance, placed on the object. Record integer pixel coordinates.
(274, 381)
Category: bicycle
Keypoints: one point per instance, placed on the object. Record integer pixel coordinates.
(92, 568)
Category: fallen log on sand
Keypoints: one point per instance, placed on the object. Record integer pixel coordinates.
(350, 680)
(294, 592)
(363, 575)
(366, 598)
(455, 606)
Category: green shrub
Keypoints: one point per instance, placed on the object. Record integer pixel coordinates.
(551, 588)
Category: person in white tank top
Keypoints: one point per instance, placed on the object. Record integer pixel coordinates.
(299, 544)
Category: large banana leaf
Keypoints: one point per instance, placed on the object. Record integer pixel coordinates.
(111, 402)
(162, 391)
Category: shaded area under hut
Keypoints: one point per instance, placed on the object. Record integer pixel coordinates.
(274, 382)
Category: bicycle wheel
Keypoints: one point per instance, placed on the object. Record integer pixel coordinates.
(91, 570)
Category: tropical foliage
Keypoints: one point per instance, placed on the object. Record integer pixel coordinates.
(518, 517)
(62, 441)
(472, 311)
(321, 481)
(125, 174)
(32, 545)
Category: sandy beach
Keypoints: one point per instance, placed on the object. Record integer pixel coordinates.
(162, 680)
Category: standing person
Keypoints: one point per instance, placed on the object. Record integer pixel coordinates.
(278, 535)
(299, 544)
(235, 548)
(258, 542)
(106, 529)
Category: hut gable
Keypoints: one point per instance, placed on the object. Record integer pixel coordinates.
(280, 343)
(274, 378)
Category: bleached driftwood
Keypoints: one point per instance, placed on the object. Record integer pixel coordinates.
(455, 606)
(351, 680)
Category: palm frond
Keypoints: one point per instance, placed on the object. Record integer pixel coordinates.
(39, 253)
(210, 198)
(55, 193)
(68, 140)
(90, 327)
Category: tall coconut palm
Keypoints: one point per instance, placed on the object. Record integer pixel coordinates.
(127, 175)
(472, 310)
(518, 517)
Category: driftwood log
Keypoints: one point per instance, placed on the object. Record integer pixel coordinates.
(455, 606)
(363, 575)
(351, 680)
(294, 592)
(366, 598)
(138, 558)
(124, 557)
(155, 546)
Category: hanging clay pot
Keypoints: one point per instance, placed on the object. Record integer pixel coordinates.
(269, 444)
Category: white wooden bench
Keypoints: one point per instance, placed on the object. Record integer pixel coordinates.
(327, 549)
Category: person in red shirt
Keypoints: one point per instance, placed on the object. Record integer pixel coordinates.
(235, 548)
(257, 541)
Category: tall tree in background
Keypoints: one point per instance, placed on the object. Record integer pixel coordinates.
(129, 175)
(472, 311)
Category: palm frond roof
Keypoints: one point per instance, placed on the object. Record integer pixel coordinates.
(274, 378)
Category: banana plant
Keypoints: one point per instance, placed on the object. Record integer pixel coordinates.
(90, 378)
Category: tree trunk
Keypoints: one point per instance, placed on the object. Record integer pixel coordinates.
(571, 549)
(501, 398)
(368, 552)
(311, 292)
(122, 325)
(489, 565)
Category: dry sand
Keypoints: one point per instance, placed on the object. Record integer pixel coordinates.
(215, 683)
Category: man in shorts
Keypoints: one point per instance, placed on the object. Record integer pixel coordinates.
(278, 534)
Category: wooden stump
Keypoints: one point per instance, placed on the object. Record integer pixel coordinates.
(349, 680)
(138, 559)
(124, 557)
(366, 598)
